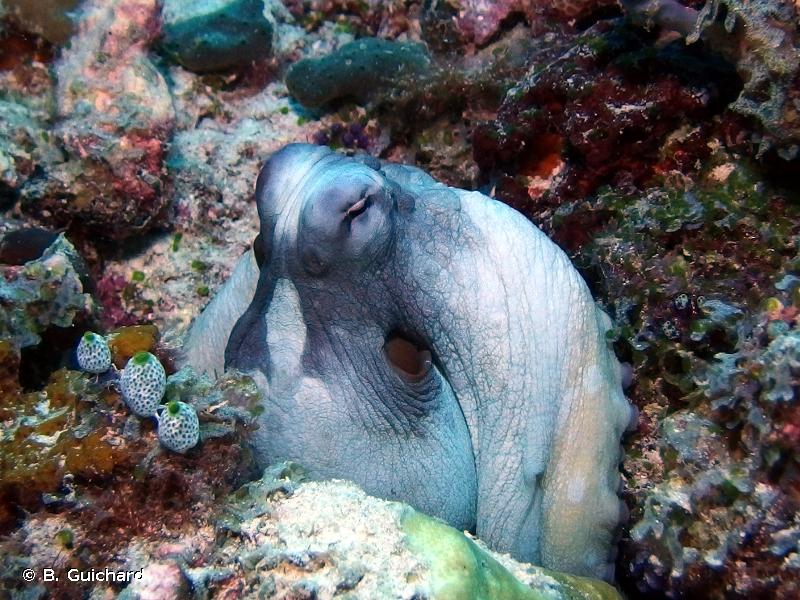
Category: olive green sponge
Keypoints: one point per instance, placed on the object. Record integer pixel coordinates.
(356, 71)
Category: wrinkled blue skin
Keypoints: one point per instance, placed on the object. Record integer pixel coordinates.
(502, 410)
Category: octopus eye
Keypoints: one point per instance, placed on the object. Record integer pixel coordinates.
(358, 208)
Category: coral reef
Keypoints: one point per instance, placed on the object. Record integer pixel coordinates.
(431, 115)
(479, 21)
(762, 40)
(444, 150)
(20, 245)
(724, 515)
(53, 433)
(725, 518)
(25, 145)
(214, 36)
(75, 437)
(387, 19)
(687, 269)
(115, 115)
(589, 117)
(339, 135)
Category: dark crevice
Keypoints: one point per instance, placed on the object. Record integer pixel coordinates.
(39, 362)
(601, 13)
(408, 355)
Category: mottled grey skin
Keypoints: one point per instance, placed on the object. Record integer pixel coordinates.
(511, 429)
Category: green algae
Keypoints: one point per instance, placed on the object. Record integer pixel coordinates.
(458, 569)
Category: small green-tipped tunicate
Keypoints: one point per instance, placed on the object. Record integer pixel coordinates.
(94, 355)
(178, 427)
(143, 383)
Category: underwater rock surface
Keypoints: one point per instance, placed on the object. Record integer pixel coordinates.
(278, 537)
(25, 146)
(761, 39)
(42, 293)
(115, 116)
(478, 21)
(54, 20)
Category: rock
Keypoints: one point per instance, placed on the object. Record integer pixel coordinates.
(386, 19)
(762, 40)
(725, 513)
(51, 19)
(356, 71)
(52, 435)
(25, 144)
(276, 536)
(707, 315)
(456, 88)
(41, 293)
(479, 21)
(589, 117)
(330, 537)
(444, 150)
(115, 116)
(159, 581)
(215, 35)
(75, 436)
(19, 246)
(26, 77)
